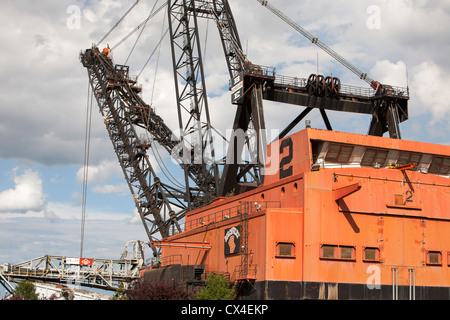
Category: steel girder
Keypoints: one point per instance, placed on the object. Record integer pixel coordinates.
(388, 113)
(192, 97)
(192, 103)
(249, 119)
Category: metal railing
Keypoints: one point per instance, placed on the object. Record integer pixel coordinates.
(301, 83)
(357, 91)
(245, 273)
(227, 214)
(260, 71)
(294, 82)
(172, 260)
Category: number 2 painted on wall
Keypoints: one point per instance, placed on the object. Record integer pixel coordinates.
(409, 196)
(286, 172)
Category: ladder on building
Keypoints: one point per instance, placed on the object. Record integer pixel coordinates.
(245, 272)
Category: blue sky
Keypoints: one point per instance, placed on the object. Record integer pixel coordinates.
(44, 90)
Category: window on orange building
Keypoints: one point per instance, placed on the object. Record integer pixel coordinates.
(329, 252)
(373, 157)
(434, 258)
(440, 165)
(285, 250)
(339, 153)
(334, 252)
(347, 253)
(371, 254)
(408, 157)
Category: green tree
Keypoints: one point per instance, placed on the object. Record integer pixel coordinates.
(217, 288)
(25, 290)
(120, 293)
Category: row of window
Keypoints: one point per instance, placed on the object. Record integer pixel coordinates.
(287, 250)
(348, 253)
(342, 153)
(331, 252)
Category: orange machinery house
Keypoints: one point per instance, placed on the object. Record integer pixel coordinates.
(346, 216)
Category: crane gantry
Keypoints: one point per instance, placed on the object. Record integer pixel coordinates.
(161, 205)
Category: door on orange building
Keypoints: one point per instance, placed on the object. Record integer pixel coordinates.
(402, 251)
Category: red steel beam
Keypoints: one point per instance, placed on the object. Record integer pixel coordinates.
(346, 191)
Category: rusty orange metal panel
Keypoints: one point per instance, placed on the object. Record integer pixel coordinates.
(365, 220)
(284, 227)
(294, 157)
(382, 189)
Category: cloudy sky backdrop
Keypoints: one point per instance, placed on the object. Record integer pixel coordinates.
(43, 96)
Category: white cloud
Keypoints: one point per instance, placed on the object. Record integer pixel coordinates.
(76, 198)
(387, 72)
(27, 194)
(430, 86)
(57, 180)
(105, 237)
(51, 216)
(101, 173)
(121, 189)
(136, 218)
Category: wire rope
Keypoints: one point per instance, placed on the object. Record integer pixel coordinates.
(139, 26)
(156, 153)
(153, 52)
(155, 150)
(118, 22)
(142, 25)
(140, 33)
(157, 60)
(206, 40)
(87, 143)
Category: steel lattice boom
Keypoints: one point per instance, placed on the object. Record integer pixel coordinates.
(123, 111)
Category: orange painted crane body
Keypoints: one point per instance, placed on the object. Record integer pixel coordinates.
(336, 221)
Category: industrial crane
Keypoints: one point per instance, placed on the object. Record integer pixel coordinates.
(161, 205)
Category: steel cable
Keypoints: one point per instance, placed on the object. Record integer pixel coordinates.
(87, 143)
(118, 22)
(140, 33)
(139, 26)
